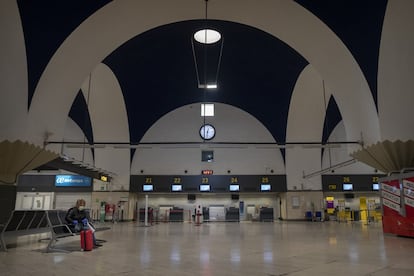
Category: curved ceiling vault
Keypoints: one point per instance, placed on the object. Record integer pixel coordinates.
(149, 52)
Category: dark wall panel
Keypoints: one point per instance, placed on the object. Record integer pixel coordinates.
(361, 182)
(35, 183)
(8, 201)
(218, 183)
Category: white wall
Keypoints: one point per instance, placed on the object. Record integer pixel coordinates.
(232, 125)
(64, 201)
(34, 201)
(296, 204)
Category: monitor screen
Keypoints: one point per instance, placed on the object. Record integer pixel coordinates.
(207, 156)
(265, 187)
(375, 187)
(148, 188)
(234, 187)
(348, 187)
(176, 187)
(204, 188)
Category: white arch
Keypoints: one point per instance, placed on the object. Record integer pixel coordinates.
(106, 106)
(109, 121)
(305, 124)
(119, 21)
(13, 69)
(395, 72)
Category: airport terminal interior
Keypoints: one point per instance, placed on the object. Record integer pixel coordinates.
(207, 137)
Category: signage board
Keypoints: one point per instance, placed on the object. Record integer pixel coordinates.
(72, 181)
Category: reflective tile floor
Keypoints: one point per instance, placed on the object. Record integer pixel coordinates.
(279, 248)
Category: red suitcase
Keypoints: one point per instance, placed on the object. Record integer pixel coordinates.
(86, 240)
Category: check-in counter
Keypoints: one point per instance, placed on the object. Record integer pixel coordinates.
(266, 214)
(232, 214)
(176, 215)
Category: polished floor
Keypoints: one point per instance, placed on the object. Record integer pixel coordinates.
(279, 248)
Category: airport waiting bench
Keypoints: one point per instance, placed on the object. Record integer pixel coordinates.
(23, 223)
(28, 222)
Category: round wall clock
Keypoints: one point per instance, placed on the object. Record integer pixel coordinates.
(207, 131)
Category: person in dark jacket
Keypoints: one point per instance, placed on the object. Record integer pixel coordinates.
(78, 219)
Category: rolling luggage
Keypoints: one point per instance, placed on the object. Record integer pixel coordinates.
(86, 240)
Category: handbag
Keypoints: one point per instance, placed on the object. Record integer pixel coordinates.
(78, 227)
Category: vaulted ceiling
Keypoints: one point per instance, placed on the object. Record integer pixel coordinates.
(156, 69)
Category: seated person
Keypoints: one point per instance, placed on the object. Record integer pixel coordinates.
(78, 219)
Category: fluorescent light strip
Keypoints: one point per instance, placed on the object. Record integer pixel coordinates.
(208, 86)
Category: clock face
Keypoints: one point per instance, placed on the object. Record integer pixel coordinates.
(207, 132)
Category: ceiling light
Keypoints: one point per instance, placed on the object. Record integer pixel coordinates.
(207, 36)
(208, 78)
(208, 86)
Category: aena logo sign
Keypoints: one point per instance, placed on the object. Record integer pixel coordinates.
(72, 180)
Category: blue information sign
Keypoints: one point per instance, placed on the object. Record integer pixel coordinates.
(72, 181)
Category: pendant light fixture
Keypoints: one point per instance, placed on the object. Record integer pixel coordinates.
(207, 40)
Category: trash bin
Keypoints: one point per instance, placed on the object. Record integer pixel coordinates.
(356, 215)
(308, 215)
(318, 216)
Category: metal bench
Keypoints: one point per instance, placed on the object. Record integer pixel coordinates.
(27, 222)
(22, 223)
(60, 229)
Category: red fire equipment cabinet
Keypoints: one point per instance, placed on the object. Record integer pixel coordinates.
(397, 200)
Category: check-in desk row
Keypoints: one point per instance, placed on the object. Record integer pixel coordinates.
(266, 214)
(233, 214)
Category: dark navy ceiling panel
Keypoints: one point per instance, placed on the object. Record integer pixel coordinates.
(79, 113)
(358, 24)
(46, 24)
(157, 74)
(332, 119)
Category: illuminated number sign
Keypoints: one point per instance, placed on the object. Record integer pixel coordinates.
(347, 179)
(265, 179)
(234, 180)
(204, 180)
(332, 187)
(207, 172)
(148, 180)
(177, 180)
(375, 179)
